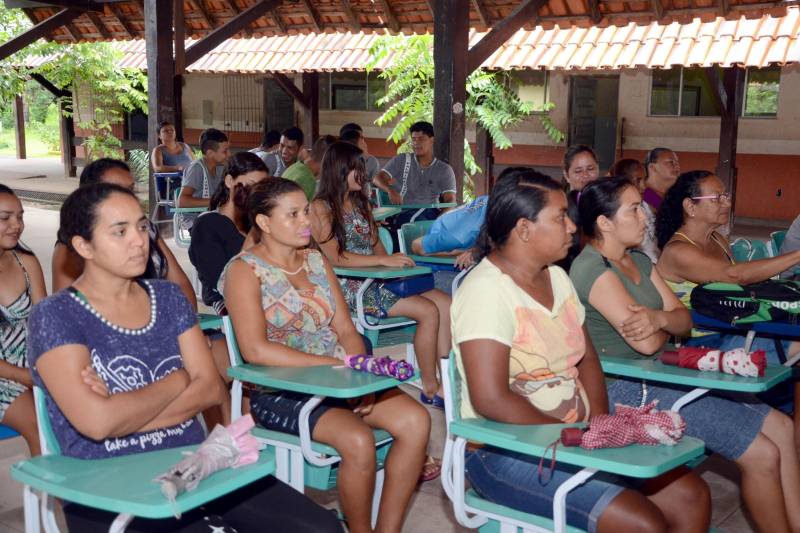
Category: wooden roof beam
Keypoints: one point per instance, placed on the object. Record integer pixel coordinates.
(98, 24)
(724, 8)
(483, 13)
(55, 91)
(276, 18)
(122, 21)
(312, 14)
(594, 11)
(236, 10)
(355, 24)
(288, 85)
(658, 9)
(201, 9)
(391, 20)
(80, 5)
(43, 29)
(228, 30)
(501, 32)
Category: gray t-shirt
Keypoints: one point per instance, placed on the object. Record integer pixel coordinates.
(792, 240)
(420, 185)
(204, 183)
(274, 163)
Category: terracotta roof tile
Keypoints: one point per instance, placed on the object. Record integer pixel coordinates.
(753, 42)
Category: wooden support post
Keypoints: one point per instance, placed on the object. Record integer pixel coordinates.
(180, 65)
(311, 94)
(450, 47)
(733, 85)
(19, 126)
(67, 128)
(485, 160)
(160, 71)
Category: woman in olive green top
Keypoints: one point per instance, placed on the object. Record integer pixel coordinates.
(631, 312)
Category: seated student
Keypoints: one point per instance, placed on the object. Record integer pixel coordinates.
(343, 226)
(67, 265)
(579, 168)
(202, 176)
(694, 252)
(279, 160)
(219, 233)
(517, 321)
(306, 173)
(662, 169)
(288, 310)
(269, 142)
(125, 368)
(170, 155)
(418, 177)
(21, 286)
(353, 133)
(633, 169)
(631, 312)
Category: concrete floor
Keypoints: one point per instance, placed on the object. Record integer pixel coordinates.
(430, 510)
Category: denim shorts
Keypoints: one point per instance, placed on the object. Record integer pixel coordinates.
(727, 423)
(510, 479)
(781, 396)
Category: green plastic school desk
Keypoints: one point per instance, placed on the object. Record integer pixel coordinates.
(125, 484)
(382, 213)
(332, 381)
(208, 321)
(654, 370)
(378, 272)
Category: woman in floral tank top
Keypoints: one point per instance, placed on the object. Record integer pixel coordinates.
(288, 310)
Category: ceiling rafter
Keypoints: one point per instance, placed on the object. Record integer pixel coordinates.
(98, 24)
(276, 18)
(658, 9)
(248, 31)
(483, 13)
(201, 10)
(312, 14)
(594, 11)
(355, 24)
(724, 8)
(391, 20)
(122, 20)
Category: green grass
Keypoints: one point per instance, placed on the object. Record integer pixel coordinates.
(33, 143)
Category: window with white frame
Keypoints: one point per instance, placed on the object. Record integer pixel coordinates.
(686, 92)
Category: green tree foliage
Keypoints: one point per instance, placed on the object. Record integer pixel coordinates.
(492, 99)
(90, 68)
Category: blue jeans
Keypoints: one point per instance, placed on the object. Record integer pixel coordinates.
(510, 479)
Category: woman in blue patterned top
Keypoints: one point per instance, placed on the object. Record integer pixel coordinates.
(125, 368)
(22, 286)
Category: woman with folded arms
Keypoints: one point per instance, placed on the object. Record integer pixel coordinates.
(524, 357)
(631, 312)
(288, 310)
(125, 369)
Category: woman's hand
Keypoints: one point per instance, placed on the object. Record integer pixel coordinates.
(465, 260)
(642, 323)
(397, 261)
(363, 406)
(94, 381)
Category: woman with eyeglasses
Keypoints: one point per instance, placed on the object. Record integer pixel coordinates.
(694, 252)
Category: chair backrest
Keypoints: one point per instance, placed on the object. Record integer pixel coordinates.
(410, 231)
(777, 238)
(234, 355)
(741, 250)
(386, 239)
(382, 197)
(451, 385)
(47, 436)
(759, 250)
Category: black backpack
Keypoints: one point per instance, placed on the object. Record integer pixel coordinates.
(767, 301)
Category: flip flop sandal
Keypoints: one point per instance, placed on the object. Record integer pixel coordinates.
(436, 401)
(430, 470)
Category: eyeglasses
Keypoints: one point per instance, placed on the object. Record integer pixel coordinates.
(716, 198)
